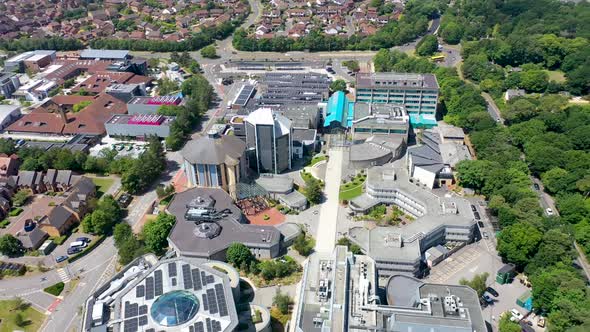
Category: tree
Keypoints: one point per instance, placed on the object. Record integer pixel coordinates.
(10, 245)
(518, 243)
(282, 302)
(427, 45)
(452, 33)
(209, 52)
(7, 146)
(121, 233)
(472, 173)
(303, 244)
(19, 320)
(167, 86)
(155, 233)
(238, 254)
(338, 85)
(313, 190)
(478, 283)
(80, 106)
(555, 247)
(21, 197)
(556, 180)
(506, 325)
(352, 247)
(534, 80)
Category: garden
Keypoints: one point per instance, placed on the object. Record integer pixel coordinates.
(352, 188)
(16, 315)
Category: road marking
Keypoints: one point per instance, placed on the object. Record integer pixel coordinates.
(53, 306)
(63, 275)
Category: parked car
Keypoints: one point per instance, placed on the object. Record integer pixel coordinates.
(485, 235)
(74, 250)
(492, 291)
(516, 314)
(473, 208)
(81, 244)
(487, 298)
(83, 239)
(536, 186)
(124, 200)
(541, 322)
(480, 223)
(476, 215)
(549, 211)
(60, 259)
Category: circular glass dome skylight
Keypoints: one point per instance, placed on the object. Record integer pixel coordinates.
(174, 308)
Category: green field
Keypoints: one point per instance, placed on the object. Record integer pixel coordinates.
(102, 185)
(31, 318)
(556, 75)
(352, 192)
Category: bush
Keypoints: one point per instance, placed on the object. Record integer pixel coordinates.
(303, 244)
(15, 212)
(59, 240)
(282, 302)
(257, 317)
(56, 289)
(4, 223)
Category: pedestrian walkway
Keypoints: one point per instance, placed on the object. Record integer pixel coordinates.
(329, 209)
(63, 275)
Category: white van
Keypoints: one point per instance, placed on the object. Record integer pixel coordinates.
(80, 244)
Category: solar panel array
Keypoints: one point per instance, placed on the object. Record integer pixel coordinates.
(172, 269)
(149, 288)
(130, 325)
(143, 320)
(197, 285)
(140, 291)
(221, 301)
(187, 277)
(245, 94)
(212, 301)
(131, 310)
(158, 286)
(213, 325)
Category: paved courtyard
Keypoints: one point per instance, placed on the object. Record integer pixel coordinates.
(329, 209)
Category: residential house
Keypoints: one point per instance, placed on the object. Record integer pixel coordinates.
(9, 165)
(31, 180)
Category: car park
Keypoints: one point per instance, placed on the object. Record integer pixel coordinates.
(492, 291)
(60, 259)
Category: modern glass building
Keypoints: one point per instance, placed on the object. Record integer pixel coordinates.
(417, 92)
(269, 140)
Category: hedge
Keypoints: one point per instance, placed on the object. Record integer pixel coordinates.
(56, 289)
(88, 249)
(4, 223)
(15, 212)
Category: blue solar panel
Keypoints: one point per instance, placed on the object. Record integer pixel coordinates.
(209, 327)
(212, 301)
(221, 302)
(199, 327)
(205, 303)
(158, 287)
(130, 325)
(196, 280)
(149, 288)
(140, 291)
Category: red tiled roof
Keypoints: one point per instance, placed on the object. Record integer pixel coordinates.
(44, 123)
(91, 120)
(98, 82)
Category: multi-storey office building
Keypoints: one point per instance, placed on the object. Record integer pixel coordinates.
(417, 92)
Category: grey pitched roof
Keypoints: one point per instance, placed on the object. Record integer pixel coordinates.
(64, 177)
(58, 216)
(50, 176)
(27, 178)
(33, 239)
(427, 155)
(214, 150)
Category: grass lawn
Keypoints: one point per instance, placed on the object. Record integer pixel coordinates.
(317, 159)
(56, 289)
(348, 194)
(32, 319)
(556, 75)
(102, 185)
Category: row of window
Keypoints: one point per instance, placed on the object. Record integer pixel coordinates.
(379, 130)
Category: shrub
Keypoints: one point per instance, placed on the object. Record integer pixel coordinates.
(15, 212)
(56, 289)
(257, 317)
(4, 223)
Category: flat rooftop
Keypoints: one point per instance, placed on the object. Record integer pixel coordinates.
(396, 80)
(145, 120)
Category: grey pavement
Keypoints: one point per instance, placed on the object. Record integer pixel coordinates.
(329, 208)
(493, 109)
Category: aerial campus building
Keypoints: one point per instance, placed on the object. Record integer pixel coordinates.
(208, 222)
(269, 140)
(215, 161)
(179, 294)
(339, 293)
(417, 92)
(441, 224)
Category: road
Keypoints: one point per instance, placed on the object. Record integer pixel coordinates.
(493, 109)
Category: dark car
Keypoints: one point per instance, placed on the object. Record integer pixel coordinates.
(124, 200)
(473, 208)
(74, 250)
(476, 214)
(83, 239)
(60, 259)
(536, 186)
(492, 291)
(480, 223)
